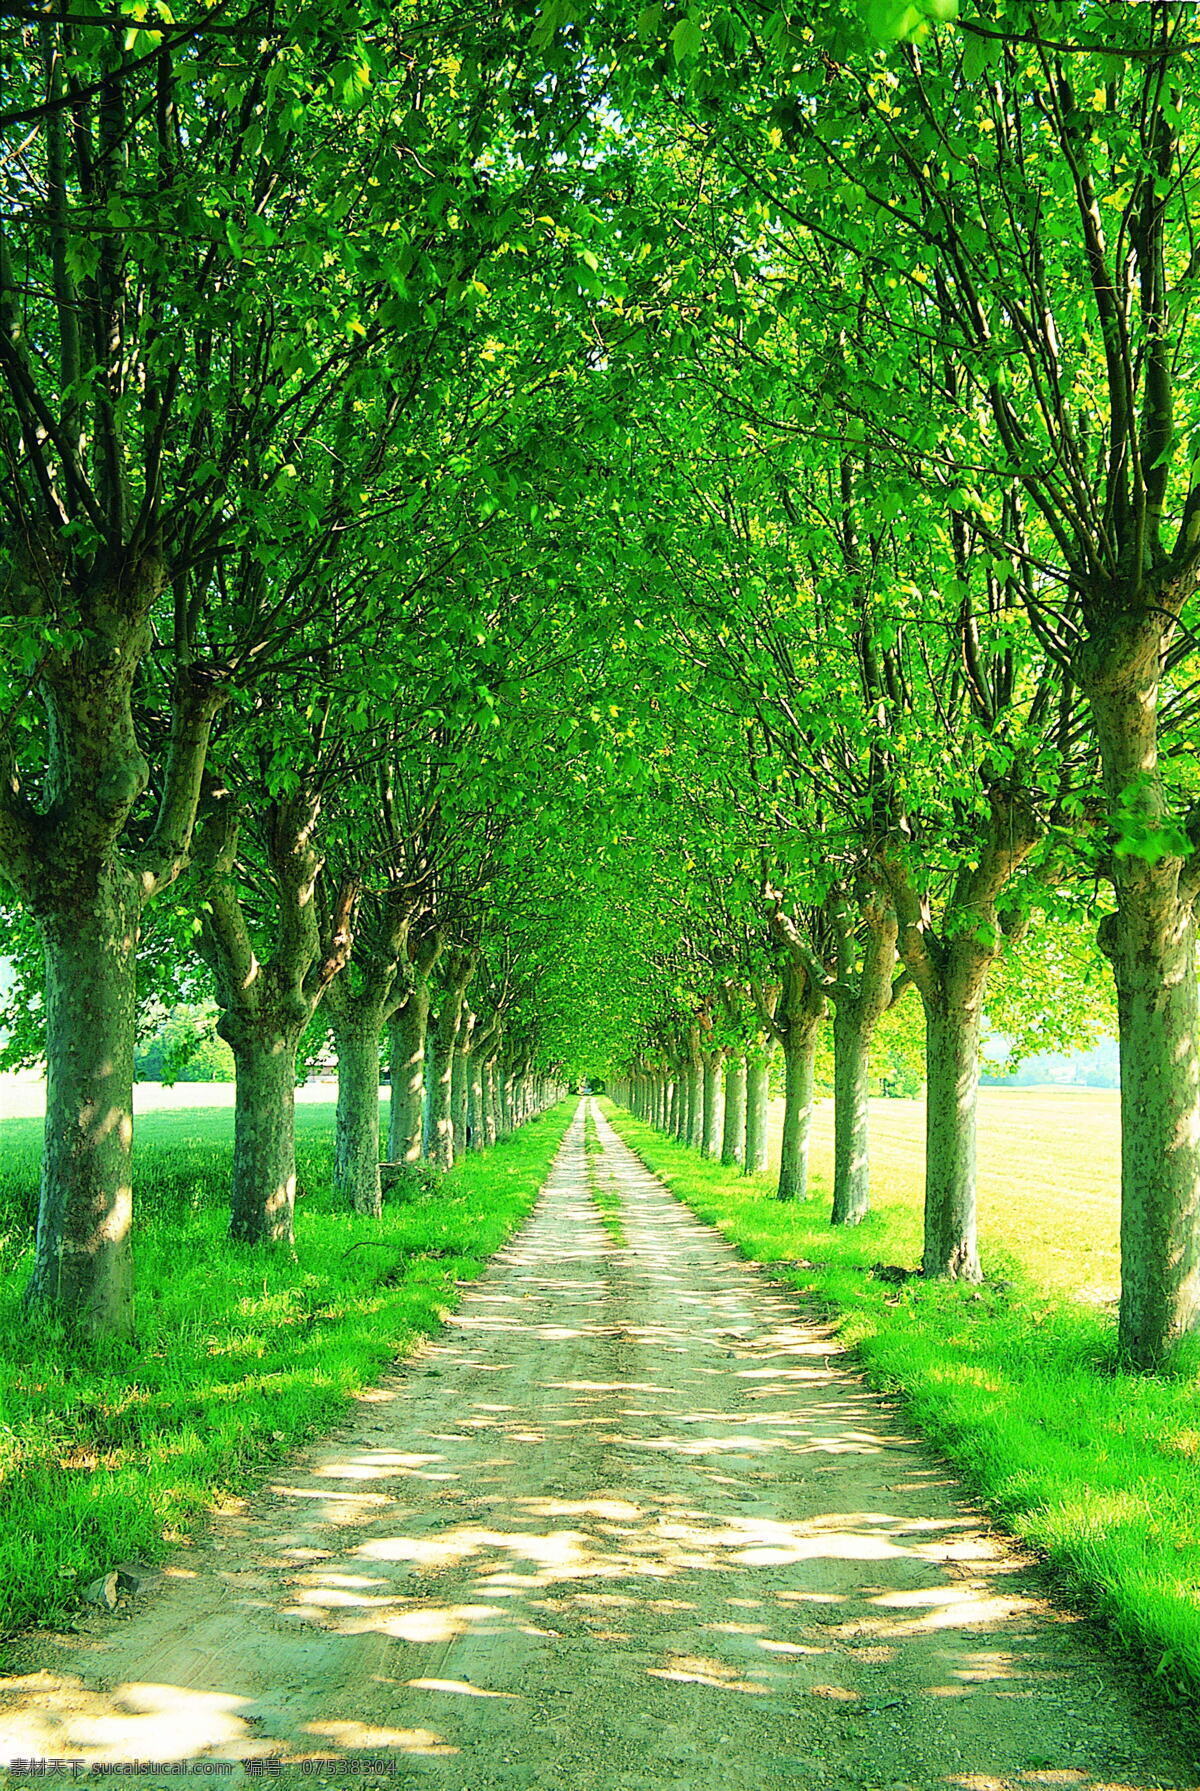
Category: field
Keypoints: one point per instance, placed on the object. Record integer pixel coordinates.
(1049, 1178)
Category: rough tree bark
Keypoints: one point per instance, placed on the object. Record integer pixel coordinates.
(800, 1017)
(862, 989)
(796, 1022)
(710, 1133)
(359, 1002)
(1150, 941)
(266, 1004)
(459, 968)
(758, 1078)
(950, 970)
(695, 1089)
(68, 859)
(482, 1044)
(406, 1052)
(460, 1078)
(758, 1101)
(733, 1137)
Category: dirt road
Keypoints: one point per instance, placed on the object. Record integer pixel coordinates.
(629, 1523)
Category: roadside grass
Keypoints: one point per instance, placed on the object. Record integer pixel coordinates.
(120, 1451)
(603, 1193)
(1017, 1385)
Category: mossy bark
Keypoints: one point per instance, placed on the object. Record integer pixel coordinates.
(953, 1029)
(799, 1057)
(263, 1189)
(406, 1056)
(758, 1093)
(356, 1142)
(695, 1092)
(950, 970)
(441, 1085)
(863, 991)
(68, 857)
(446, 1056)
(851, 1115)
(83, 1267)
(1150, 942)
(733, 1136)
(268, 996)
(710, 1136)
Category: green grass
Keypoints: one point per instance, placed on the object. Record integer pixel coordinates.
(604, 1195)
(1015, 1383)
(240, 1355)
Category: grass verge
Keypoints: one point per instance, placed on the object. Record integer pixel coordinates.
(241, 1354)
(1099, 1471)
(604, 1195)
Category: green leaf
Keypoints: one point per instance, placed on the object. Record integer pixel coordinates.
(686, 39)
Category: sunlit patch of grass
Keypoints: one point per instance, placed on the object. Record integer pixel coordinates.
(241, 1354)
(1015, 1381)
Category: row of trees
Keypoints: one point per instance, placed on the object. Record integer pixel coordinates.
(278, 399)
(924, 508)
(712, 493)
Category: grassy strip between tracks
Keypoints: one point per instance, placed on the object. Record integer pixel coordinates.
(241, 1354)
(1099, 1471)
(604, 1195)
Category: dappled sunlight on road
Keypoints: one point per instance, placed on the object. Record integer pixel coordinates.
(631, 1522)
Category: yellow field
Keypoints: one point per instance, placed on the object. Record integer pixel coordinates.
(1049, 1176)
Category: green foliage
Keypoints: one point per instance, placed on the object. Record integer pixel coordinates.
(185, 1048)
(899, 21)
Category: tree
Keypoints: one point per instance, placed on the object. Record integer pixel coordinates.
(163, 435)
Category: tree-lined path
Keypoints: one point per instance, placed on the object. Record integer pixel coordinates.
(630, 1522)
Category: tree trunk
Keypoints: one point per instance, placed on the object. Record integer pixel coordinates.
(67, 864)
(264, 1138)
(758, 1098)
(710, 1138)
(476, 1103)
(491, 1112)
(951, 973)
(851, 1088)
(428, 1082)
(1151, 943)
(356, 1152)
(1154, 967)
(406, 1047)
(460, 1078)
(695, 1088)
(734, 1135)
(799, 1056)
(83, 1271)
(441, 1085)
(952, 1035)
